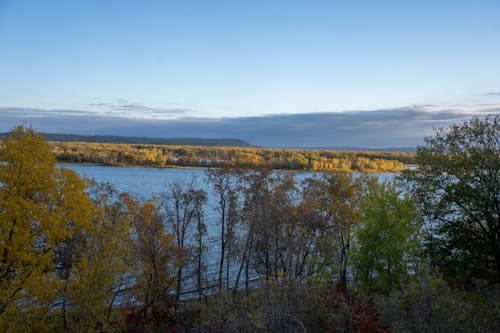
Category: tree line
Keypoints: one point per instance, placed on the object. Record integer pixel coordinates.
(288, 159)
(335, 253)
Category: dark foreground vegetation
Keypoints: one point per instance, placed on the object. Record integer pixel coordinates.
(336, 253)
(250, 157)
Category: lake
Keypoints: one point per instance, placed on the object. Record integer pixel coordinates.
(149, 182)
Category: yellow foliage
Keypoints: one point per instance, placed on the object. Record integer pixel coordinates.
(292, 159)
(40, 206)
(155, 252)
(97, 272)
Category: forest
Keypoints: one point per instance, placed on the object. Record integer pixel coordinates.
(337, 252)
(244, 157)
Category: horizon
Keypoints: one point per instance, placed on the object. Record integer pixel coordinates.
(196, 141)
(287, 74)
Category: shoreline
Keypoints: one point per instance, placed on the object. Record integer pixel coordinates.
(406, 167)
(131, 166)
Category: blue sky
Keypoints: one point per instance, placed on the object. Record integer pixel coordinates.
(185, 60)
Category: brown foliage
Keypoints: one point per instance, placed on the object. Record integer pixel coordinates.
(346, 311)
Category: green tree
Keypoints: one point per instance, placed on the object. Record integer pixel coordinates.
(386, 237)
(40, 206)
(458, 182)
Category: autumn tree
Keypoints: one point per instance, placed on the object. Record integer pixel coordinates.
(157, 257)
(96, 264)
(332, 204)
(314, 247)
(345, 192)
(40, 207)
(253, 213)
(275, 229)
(458, 183)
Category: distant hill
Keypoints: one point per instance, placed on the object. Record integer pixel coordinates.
(144, 140)
(228, 142)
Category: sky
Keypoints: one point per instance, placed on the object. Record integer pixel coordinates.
(275, 73)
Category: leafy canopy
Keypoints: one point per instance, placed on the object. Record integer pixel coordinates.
(386, 238)
(40, 206)
(458, 182)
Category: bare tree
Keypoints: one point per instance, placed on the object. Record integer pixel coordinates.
(200, 198)
(182, 205)
(226, 186)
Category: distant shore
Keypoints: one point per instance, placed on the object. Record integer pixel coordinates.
(409, 166)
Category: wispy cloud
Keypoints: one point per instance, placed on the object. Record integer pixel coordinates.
(398, 127)
(124, 108)
(493, 93)
(44, 113)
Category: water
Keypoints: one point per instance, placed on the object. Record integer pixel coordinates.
(149, 182)
(145, 182)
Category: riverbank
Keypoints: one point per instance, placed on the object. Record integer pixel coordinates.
(162, 156)
(406, 167)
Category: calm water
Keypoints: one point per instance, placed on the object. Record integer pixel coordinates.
(149, 182)
(145, 182)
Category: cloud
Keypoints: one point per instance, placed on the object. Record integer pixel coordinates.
(124, 108)
(493, 93)
(398, 127)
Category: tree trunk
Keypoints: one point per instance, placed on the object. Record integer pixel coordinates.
(496, 251)
(179, 286)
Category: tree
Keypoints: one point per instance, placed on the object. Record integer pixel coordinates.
(225, 186)
(345, 192)
(275, 229)
(183, 204)
(157, 257)
(255, 192)
(96, 264)
(386, 237)
(200, 198)
(40, 207)
(335, 199)
(458, 182)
